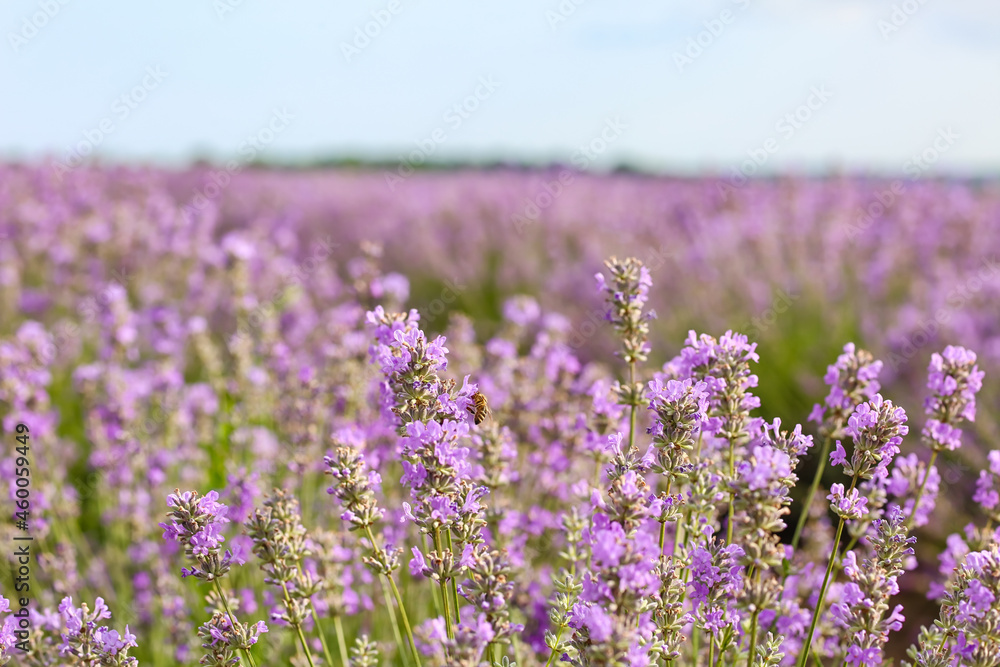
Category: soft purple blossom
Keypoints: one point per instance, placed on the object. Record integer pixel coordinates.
(850, 505)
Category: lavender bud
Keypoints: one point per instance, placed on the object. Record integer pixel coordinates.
(364, 653)
(625, 295)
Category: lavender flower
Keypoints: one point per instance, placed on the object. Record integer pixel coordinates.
(222, 640)
(954, 380)
(761, 491)
(282, 545)
(850, 505)
(877, 428)
(724, 366)
(624, 572)
(84, 640)
(196, 524)
(716, 580)
(681, 409)
(911, 481)
(489, 589)
(626, 294)
(413, 389)
(471, 639)
(964, 633)
(354, 486)
(988, 487)
(853, 380)
(865, 599)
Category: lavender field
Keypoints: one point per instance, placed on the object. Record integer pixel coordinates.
(353, 417)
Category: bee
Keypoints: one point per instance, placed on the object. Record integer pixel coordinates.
(480, 408)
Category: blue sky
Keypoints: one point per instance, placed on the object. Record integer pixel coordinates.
(534, 81)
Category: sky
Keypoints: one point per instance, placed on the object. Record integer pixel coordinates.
(756, 86)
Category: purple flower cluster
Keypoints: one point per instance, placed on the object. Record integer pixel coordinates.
(988, 487)
(84, 640)
(877, 428)
(413, 389)
(716, 578)
(912, 483)
(964, 633)
(724, 366)
(847, 505)
(681, 410)
(196, 523)
(954, 380)
(853, 380)
(864, 604)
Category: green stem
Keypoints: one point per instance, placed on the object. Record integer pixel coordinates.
(822, 590)
(232, 619)
(406, 621)
(298, 626)
(338, 627)
(454, 582)
(399, 604)
(753, 637)
(631, 419)
(732, 494)
(920, 491)
(807, 503)
(322, 636)
(400, 646)
(663, 524)
(552, 654)
(711, 650)
(444, 588)
(435, 592)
